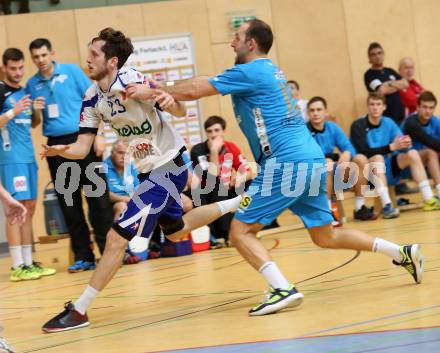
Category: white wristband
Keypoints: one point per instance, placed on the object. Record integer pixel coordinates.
(10, 114)
(169, 83)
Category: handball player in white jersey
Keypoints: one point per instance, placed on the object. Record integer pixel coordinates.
(157, 151)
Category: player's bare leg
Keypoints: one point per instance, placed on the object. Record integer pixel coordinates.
(200, 216)
(408, 256)
(281, 293)
(75, 314)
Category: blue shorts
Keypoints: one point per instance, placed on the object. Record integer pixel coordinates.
(20, 179)
(393, 173)
(156, 200)
(299, 187)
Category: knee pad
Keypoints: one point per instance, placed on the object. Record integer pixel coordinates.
(171, 225)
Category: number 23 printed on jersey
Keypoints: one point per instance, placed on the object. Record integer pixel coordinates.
(117, 107)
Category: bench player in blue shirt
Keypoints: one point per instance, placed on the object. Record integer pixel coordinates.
(281, 144)
(329, 137)
(424, 129)
(379, 139)
(18, 168)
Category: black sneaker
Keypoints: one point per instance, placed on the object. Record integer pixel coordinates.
(69, 319)
(413, 261)
(276, 300)
(364, 214)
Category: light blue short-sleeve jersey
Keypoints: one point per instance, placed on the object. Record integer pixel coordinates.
(15, 137)
(266, 112)
(63, 93)
(117, 183)
(331, 137)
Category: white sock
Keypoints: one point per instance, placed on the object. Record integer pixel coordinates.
(384, 195)
(27, 254)
(438, 189)
(359, 202)
(329, 204)
(387, 248)
(230, 205)
(84, 301)
(17, 256)
(273, 275)
(426, 191)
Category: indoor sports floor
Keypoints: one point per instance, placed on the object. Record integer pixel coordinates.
(353, 302)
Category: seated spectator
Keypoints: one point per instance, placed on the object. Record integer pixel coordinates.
(380, 140)
(296, 94)
(329, 137)
(409, 95)
(424, 129)
(221, 159)
(121, 186)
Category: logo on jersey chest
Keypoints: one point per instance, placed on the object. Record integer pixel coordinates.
(128, 130)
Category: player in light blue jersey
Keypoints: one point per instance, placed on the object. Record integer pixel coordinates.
(18, 169)
(288, 157)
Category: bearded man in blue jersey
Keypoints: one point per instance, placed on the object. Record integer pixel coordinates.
(288, 156)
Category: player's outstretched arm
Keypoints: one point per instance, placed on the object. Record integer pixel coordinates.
(77, 150)
(183, 90)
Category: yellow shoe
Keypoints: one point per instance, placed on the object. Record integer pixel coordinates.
(23, 273)
(432, 204)
(42, 271)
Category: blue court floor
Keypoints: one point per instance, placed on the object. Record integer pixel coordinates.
(402, 341)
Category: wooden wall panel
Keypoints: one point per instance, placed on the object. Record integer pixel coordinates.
(89, 22)
(219, 12)
(312, 50)
(3, 36)
(185, 16)
(59, 27)
(427, 32)
(389, 22)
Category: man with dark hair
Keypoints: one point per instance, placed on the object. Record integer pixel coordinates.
(223, 160)
(424, 129)
(330, 137)
(381, 141)
(18, 168)
(157, 151)
(296, 94)
(386, 81)
(63, 86)
(287, 154)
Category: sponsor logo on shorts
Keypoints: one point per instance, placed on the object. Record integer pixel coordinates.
(20, 184)
(245, 202)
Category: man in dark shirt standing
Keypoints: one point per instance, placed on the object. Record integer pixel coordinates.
(386, 81)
